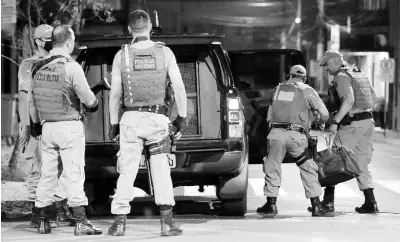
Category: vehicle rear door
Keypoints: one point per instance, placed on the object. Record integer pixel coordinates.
(256, 74)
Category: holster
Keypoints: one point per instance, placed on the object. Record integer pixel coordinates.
(310, 152)
(346, 120)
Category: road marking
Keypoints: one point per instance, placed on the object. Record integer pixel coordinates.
(257, 185)
(342, 190)
(393, 185)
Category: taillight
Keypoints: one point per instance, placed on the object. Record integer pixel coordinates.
(235, 118)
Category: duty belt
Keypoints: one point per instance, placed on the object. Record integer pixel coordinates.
(161, 109)
(63, 120)
(361, 116)
(289, 127)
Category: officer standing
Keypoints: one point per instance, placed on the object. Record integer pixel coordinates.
(139, 78)
(357, 129)
(290, 117)
(31, 146)
(58, 87)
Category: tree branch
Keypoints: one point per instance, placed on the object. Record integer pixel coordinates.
(8, 58)
(30, 26)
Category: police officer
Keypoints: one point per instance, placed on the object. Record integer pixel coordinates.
(31, 146)
(139, 77)
(290, 117)
(58, 86)
(357, 99)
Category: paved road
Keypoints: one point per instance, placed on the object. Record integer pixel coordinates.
(293, 223)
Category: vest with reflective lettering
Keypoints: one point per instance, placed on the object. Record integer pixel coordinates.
(289, 105)
(54, 97)
(361, 89)
(144, 76)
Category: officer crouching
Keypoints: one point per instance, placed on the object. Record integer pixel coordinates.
(59, 85)
(290, 117)
(139, 78)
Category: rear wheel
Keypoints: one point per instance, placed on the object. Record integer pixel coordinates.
(234, 207)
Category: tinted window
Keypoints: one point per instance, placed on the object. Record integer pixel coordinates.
(262, 70)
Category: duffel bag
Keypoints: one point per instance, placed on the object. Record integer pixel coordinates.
(336, 165)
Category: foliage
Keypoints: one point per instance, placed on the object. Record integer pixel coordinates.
(31, 13)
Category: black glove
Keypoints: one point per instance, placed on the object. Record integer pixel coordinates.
(179, 123)
(114, 131)
(36, 130)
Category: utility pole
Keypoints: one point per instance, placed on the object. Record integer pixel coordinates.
(298, 21)
(320, 46)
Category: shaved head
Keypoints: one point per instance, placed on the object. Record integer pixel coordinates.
(139, 21)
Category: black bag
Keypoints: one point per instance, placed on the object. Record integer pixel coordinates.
(336, 165)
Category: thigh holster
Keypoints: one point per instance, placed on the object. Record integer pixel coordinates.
(162, 147)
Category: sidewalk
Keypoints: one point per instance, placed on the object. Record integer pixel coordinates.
(392, 136)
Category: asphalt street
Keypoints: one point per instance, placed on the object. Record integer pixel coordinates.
(199, 219)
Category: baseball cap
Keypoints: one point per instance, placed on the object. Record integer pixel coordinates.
(43, 31)
(298, 70)
(329, 54)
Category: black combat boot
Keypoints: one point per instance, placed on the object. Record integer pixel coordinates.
(35, 215)
(118, 227)
(318, 210)
(269, 208)
(370, 205)
(168, 225)
(328, 203)
(43, 220)
(82, 225)
(64, 216)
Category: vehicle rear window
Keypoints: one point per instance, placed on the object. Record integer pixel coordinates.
(262, 70)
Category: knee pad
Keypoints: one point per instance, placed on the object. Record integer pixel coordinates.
(164, 146)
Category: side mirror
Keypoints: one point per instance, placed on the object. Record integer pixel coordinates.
(245, 85)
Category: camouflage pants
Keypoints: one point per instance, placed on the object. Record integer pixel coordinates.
(137, 129)
(65, 139)
(281, 141)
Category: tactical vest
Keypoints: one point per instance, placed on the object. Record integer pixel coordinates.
(55, 99)
(290, 106)
(361, 89)
(25, 69)
(144, 76)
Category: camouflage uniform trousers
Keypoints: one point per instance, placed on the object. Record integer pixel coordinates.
(65, 140)
(138, 129)
(281, 141)
(359, 136)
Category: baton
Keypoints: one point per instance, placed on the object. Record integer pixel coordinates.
(149, 178)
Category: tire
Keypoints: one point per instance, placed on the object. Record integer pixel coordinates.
(237, 207)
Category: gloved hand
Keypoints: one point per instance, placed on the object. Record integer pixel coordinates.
(114, 131)
(179, 123)
(25, 135)
(36, 130)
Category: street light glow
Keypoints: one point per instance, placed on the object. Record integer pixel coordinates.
(297, 20)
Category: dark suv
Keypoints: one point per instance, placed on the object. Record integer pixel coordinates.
(214, 147)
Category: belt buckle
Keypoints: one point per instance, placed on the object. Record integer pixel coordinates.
(289, 127)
